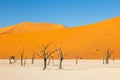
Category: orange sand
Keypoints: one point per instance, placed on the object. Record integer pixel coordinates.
(89, 41)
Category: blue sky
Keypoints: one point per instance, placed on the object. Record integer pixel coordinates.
(67, 12)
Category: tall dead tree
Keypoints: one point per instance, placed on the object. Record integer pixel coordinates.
(45, 54)
(107, 56)
(60, 54)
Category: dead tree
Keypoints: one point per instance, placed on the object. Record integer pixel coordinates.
(113, 58)
(22, 55)
(25, 61)
(53, 61)
(33, 57)
(48, 61)
(76, 60)
(60, 54)
(107, 56)
(103, 60)
(12, 58)
(45, 54)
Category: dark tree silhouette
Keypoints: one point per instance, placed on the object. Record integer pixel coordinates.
(33, 57)
(45, 54)
(22, 55)
(107, 56)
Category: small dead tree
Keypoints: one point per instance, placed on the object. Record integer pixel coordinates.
(12, 59)
(76, 59)
(48, 61)
(33, 57)
(25, 61)
(53, 61)
(45, 54)
(60, 54)
(103, 60)
(113, 58)
(107, 56)
(22, 55)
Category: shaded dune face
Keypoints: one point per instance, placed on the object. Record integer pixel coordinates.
(89, 41)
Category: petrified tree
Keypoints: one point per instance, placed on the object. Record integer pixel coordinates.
(48, 61)
(107, 56)
(53, 61)
(25, 61)
(103, 60)
(22, 55)
(33, 57)
(76, 59)
(60, 54)
(45, 54)
(113, 58)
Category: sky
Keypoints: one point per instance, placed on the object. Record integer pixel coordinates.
(67, 12)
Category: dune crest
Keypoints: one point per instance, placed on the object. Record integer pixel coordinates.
(30, 27)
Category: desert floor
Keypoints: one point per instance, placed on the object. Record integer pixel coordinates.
(85, 70)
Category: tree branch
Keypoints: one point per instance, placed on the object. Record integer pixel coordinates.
(39, 55)
(51, 53)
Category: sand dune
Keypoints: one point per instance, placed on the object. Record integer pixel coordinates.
(30, 27)
(89, 41)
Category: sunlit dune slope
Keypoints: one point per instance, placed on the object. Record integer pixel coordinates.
(89, 41)
(30, 27)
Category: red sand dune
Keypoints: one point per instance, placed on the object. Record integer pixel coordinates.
(30, 27)
(89, 41)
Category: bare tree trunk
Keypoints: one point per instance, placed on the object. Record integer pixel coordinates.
(107, 60)
(22, 59)
(60, 65)
(113, 58)
(53, 61)
(48, 62)
(76, 59)
(45, 54)
(10, 61)
(103, 60)
(33, 57)
(45, 63)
